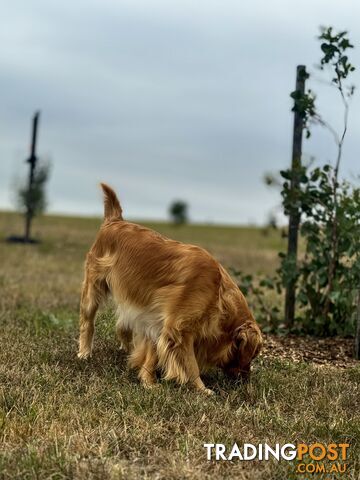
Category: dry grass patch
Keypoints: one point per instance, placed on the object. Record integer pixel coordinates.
(63, 418)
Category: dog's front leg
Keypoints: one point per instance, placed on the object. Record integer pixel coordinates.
(199, 385)
(195, 378)
(177, 358)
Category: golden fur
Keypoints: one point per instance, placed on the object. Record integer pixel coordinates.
(178, 309)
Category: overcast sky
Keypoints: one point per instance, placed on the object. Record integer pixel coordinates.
(165, 100)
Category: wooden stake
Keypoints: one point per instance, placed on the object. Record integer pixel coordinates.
(357, 335)
(294, 217)
(32, 160)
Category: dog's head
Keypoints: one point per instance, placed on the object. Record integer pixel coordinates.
(247, 343)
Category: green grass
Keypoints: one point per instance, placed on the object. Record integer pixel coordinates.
(62, 418)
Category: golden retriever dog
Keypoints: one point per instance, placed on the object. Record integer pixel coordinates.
(177, 307)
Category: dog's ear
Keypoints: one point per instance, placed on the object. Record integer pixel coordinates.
(248, 341)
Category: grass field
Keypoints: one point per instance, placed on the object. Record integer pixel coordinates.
(62, 418)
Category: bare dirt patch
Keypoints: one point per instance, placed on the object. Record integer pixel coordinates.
(336, 351)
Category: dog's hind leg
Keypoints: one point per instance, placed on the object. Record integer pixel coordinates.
(125, 336)
(144, 358)
(91, 296)
(177, 358)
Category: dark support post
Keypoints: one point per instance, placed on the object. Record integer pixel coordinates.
(32, 160)
(357, 335)
(294, 217)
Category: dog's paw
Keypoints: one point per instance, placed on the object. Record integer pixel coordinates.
(208, 391)
(84, 355)
(150, 386)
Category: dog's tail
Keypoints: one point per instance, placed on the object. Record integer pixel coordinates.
(112, 209)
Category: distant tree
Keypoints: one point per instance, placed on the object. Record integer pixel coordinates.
(179, 212)
(271, 224)
(32, 200)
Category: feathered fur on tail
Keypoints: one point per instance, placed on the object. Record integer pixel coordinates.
(112, 208)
